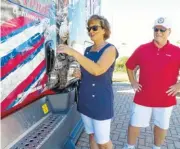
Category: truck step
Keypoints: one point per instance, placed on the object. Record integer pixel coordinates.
(41, 133)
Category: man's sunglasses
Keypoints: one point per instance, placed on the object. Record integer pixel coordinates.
(94, 28)
(161, 30)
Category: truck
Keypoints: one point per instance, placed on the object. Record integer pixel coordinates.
(39, 94)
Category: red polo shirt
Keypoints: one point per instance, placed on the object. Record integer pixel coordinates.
(159, 69)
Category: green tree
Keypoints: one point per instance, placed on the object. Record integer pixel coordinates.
(121, 64)
(178, 42)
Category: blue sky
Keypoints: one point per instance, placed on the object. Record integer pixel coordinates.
(132, 20)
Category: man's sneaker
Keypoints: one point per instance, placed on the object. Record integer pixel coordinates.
(126, 147)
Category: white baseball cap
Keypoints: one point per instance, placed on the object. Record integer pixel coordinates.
(163, 21)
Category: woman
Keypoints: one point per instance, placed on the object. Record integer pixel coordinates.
(95, 94)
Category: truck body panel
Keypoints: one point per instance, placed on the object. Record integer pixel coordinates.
(32, 114)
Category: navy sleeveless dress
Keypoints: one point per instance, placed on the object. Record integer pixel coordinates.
(95, 92)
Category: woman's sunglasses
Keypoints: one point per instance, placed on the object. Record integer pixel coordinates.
(94, 28)
(161, 30)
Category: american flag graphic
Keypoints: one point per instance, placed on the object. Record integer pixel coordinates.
(22, 55)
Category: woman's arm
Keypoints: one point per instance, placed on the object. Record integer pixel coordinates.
(96, 69)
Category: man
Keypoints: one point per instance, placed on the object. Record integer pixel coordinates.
(159, 63)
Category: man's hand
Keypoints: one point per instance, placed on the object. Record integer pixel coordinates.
(174, 89)
(136, 86)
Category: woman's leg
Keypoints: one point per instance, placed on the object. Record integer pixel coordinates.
(88, 124)
(92, 142)
(107, 145)
(102, 133)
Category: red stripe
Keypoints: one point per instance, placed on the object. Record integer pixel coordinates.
(36, 94)
(20, 88)
(12, 63)
(7, 28)
(16, 23)
(29, 99)
(43, 80)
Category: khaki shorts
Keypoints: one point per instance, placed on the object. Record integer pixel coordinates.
(141, 116)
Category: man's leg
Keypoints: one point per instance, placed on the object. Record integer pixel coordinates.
(133, 133)
(161, 121)
(159, 135)
(140, 117)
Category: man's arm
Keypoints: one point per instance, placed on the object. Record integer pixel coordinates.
(132, 66)
(174, 89)
(136, 86)
(131, 75)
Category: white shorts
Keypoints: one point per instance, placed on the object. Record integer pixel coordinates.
(100, 129)
(141, 116)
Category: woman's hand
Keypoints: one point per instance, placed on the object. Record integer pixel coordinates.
(77, 73)
(66, 49)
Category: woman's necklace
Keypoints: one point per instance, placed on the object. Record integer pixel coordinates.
(97, 48)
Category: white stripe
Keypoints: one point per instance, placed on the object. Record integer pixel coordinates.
(126, 91)
(10, 24)
(15, 41)
(18, 76)
(31, 89)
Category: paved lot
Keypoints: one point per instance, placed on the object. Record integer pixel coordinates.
(123, 101)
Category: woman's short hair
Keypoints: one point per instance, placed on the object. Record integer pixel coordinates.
(104, 24)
